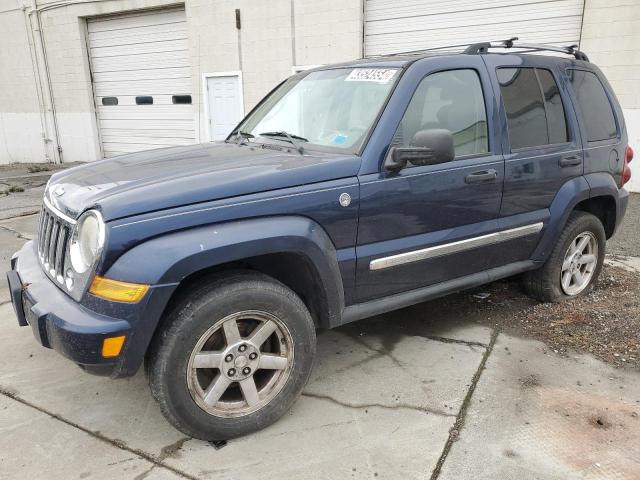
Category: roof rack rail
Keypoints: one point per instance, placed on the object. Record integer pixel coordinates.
(483, 47)
(417, 52)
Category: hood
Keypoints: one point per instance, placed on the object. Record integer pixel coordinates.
(160, 179)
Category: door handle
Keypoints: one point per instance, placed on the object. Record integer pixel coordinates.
(482, 176)
(570, 161)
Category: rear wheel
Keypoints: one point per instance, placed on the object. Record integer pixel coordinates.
(233, 357)
(574, 264)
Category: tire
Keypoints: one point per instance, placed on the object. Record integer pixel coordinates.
(546, 283)
(182, 378)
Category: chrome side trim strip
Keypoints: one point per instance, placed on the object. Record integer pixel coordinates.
(454, 247)
(57, 212)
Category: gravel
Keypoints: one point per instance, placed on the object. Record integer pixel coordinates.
(626, 241)
(605, 323)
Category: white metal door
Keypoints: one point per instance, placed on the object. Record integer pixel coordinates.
(142, 80)
(224, 104)
(393, 26)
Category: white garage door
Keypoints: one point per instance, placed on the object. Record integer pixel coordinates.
(142, 81)
(393, 26)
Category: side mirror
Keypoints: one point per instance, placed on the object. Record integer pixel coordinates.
(428, 147)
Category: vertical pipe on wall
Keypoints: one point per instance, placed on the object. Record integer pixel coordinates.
(294, 61)
(239, 29)
(47, 77)
(38, 84)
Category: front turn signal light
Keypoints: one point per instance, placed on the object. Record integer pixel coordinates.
(117, 291)
(112, 346)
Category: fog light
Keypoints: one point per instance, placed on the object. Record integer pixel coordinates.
(112, 346)
(117, 291)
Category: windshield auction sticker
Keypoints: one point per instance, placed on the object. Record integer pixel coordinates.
(380, 75)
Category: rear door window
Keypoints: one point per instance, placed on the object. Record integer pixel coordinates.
(534, 109)
(553, 106)
(594, 105)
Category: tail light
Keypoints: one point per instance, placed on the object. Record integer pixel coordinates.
(626, 169)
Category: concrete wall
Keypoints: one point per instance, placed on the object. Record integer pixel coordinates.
(275, 36)
(611, 38)
(20, 118)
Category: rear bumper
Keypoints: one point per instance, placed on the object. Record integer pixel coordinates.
(621, 207)
(57, 321)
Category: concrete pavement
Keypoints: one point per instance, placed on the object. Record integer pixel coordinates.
(417, 393)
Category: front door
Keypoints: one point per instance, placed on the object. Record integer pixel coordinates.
(427, 224)
(224, 105)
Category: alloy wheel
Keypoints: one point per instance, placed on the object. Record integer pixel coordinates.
(240, 364)
(579, 265)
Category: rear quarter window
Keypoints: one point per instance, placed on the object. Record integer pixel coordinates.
(533, 106)
(594, 105)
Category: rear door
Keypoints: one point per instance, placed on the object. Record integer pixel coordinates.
(541, 141)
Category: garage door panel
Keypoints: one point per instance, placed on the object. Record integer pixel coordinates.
(179, 45)
(136, 20)
(110, 134)
(143, 87)
(139, 35)
(130, 75)
(391, 9)
(149, 140)
(405, 25)
(142, 54)
(143, 124)
(158, 100)
(140, 62)
(534, 31)
(146, 112)
(524, 14)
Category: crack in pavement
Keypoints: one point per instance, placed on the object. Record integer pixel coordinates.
(468, 343)
(454, 431)
(362, 406)
(15, 232)
(95, 434)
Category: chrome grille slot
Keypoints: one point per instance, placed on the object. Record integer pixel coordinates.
(53, 238)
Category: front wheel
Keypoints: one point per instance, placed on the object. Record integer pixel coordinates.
(232, 357)
(574, 264)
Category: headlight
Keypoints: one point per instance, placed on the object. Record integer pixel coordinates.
(87, 241)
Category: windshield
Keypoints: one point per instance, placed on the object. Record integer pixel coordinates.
(332, 109)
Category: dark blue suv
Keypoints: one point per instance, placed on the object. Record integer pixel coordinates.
(349, 191)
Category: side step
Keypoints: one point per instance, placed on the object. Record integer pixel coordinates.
(406, 299)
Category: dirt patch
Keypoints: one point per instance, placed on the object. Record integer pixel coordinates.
(529, 381)
(605, 323)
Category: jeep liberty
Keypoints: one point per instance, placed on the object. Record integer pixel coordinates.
(350, 190)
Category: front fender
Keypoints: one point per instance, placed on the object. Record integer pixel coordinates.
(171, 258)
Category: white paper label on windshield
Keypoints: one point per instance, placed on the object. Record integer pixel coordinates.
(380, 75)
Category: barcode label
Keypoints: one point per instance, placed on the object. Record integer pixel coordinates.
(380, 75)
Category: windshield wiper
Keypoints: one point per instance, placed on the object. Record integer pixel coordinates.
(239, 136)
(290, 137)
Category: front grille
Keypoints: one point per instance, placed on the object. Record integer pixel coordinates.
(53, 236)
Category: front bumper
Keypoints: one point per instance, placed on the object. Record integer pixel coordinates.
(59, 322)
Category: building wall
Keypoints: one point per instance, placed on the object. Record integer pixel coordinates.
(611, 38)
(274, 37)
(20, 118)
